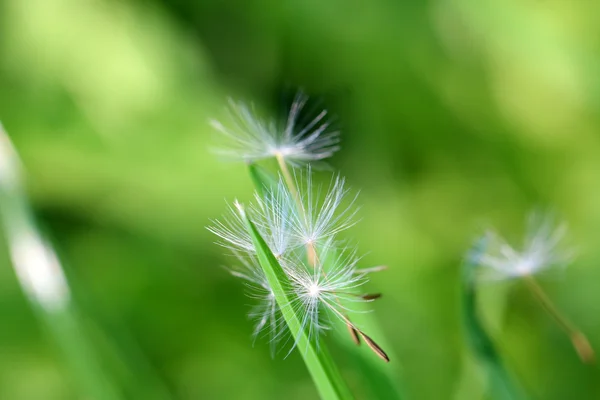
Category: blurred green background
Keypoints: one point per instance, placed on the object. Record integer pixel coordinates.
(456, 115)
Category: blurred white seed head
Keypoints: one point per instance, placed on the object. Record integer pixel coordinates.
(540, 251)
(323, 291)
(38, 270)
(323, 214)
(35, 263)
(318, 285)
(250, 138)
(9, 162)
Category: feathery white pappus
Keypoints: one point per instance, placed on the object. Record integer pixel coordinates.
(322, 216)
(286, 225)
(266, 313)
(321, 286)
(540, 251)
(250, 138)
(326, 289)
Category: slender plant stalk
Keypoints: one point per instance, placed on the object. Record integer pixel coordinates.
(289, 180)
(42, 278)
(579, 340)
(325, 374)
(501, 384)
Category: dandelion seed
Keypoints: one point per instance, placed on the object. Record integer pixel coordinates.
(375, 347)
(539, 252)
(286, 225)
(301, 233)
(271, 215)
(321, 217)
(251, 138)
(353, 333)
(371, 297)
(318, 290)
(232, 232)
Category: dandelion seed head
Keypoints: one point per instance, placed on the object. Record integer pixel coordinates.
(251, 138)
(325, 290)
(314, 290)
(323, 215)
(540, 251)
(301, 231)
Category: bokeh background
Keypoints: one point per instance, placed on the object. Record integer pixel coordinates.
(457, 115)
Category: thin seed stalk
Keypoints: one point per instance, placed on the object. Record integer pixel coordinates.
(289, 180)
(578, 339)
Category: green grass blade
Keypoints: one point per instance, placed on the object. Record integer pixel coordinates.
(261, 178)
(500, 383)
(323, 371)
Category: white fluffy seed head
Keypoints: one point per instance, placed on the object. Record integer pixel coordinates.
(325, 290)
(325, 213)
(301, 232)
(287, 224)
(251, 138)
(540, 251)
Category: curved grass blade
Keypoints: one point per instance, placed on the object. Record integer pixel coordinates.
(500, 383)
(323, 371)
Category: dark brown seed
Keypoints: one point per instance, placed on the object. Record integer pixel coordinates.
(353, 333)
(371, 296)
(375, 347)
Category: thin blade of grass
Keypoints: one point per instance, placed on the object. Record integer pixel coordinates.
(500, 383)
(323, 371)
(42, 278)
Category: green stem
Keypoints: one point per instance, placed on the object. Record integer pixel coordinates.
(501, 383)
